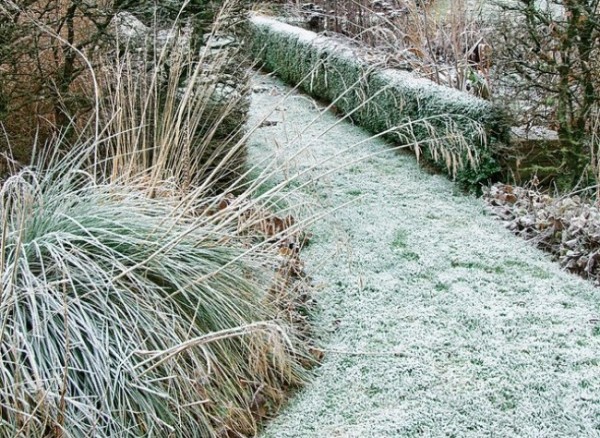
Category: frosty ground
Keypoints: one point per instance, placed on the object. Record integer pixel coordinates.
(435, 319)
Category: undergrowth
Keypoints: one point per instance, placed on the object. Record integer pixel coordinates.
(139, 297)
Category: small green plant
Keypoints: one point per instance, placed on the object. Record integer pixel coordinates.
(400, 239)
(474, 177)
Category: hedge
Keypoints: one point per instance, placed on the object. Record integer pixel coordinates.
(384, 100)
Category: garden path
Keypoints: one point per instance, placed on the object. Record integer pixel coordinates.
(437, 321)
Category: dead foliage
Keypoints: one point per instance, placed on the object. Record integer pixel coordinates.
(290, 289)
(449, 46)
(568, 227)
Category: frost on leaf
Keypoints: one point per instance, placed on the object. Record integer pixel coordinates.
(567, 227)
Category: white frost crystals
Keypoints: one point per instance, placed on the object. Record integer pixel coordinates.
(128, 29)
(435, 320)
(567, 227)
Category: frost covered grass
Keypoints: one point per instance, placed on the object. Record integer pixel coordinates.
(434, 319)
(123, 315)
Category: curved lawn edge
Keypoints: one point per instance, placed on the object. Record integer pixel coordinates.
(435, 320)
(382, 100)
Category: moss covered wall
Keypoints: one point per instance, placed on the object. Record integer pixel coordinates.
(412, 109)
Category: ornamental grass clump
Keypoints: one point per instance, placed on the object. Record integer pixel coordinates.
(121, 316)
(139, 296)
(174, 110)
